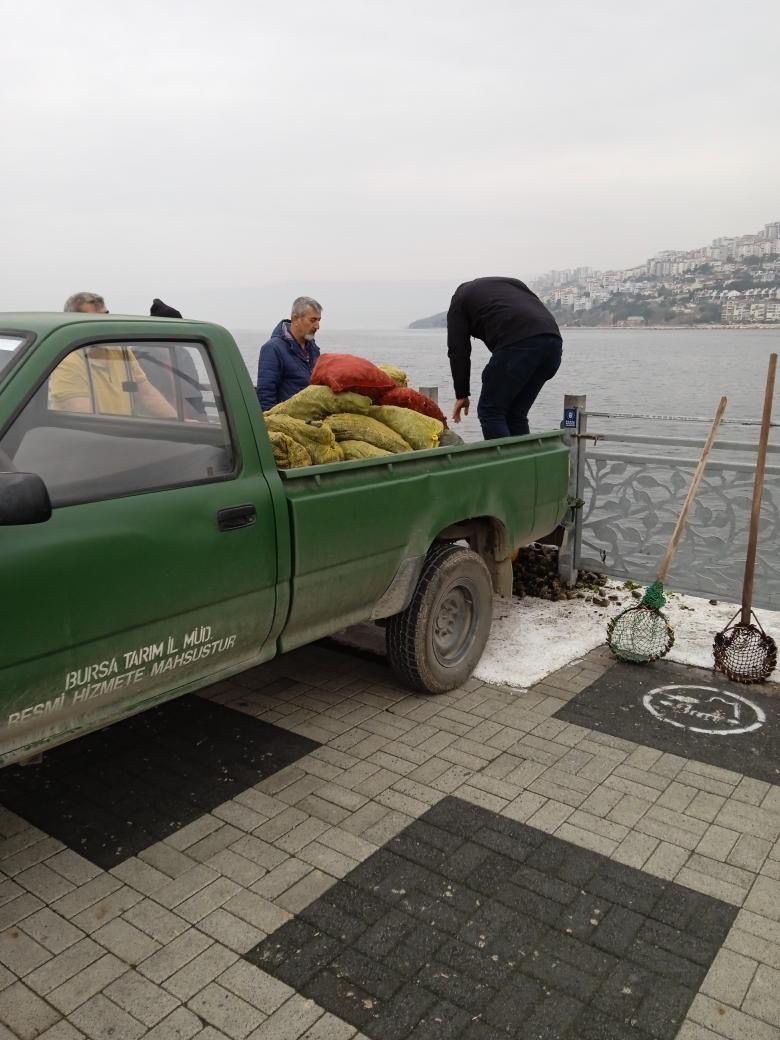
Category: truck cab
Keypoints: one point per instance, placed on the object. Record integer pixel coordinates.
(150, 545)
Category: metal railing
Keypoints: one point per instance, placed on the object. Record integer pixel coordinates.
(625, 505)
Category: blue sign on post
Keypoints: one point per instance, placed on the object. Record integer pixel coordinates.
(570, 418)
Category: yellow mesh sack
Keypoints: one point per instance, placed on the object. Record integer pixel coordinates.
(288, 454)
(347, 427)
(421, 431)
(362, 450)
(318, 441)
(399, 377)
(315, 402)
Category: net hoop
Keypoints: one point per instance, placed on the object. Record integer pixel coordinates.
(640, 635)
(745, 653)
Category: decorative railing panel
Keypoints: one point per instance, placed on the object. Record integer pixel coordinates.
(631, 505)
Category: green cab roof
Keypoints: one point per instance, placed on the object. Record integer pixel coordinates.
(43, 322)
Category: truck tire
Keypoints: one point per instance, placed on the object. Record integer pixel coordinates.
(435, 644)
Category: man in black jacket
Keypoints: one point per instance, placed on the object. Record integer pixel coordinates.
(523, 338)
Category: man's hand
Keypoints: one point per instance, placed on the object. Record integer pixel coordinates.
(461, 405)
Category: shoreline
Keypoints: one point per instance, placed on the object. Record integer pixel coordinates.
(766, 326)
(760, 326)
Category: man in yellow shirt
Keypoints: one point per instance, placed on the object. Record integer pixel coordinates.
(106, 380)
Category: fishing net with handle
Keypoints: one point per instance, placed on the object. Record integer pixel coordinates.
(642, 634)
(743, 651)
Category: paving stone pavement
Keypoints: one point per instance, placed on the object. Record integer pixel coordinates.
(624, 890)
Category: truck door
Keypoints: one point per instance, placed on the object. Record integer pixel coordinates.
(158, 566)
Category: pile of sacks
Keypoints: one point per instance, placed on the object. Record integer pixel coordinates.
(353, 409)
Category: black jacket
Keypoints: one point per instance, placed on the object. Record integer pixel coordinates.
(501, 312)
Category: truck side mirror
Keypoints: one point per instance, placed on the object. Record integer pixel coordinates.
(24, 499)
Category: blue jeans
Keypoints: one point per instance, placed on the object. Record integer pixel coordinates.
(511, 383)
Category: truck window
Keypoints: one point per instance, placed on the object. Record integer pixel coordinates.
(8, 347)
(118, 419)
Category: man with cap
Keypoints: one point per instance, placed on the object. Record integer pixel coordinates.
(163, 371)
(162, 310)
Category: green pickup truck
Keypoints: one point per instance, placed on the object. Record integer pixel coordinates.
(150, 545)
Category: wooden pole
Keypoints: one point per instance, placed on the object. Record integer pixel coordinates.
(758, 490)
(682, 519)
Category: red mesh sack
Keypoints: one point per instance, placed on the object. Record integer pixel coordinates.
(405, 397)
(346, 372)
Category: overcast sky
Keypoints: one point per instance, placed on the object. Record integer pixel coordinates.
(225, 156)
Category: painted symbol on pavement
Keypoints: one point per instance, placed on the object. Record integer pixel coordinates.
(704, 709)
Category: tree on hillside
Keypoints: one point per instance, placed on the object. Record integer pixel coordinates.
(708, 312)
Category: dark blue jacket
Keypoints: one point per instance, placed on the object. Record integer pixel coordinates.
(282, 369)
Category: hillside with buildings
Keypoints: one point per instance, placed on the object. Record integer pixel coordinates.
(732, 281)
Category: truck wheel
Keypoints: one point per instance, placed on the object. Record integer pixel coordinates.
(435, 644)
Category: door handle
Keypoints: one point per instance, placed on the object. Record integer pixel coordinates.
(233, 517)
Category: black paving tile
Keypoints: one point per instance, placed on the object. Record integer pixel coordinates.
(403, 1014)
(554, 1018)
(415, 949)
(618, 929)
(583, 916)
(481, 964)
(595, 1025)
(385, 934)
(333, 921)
(624, 990)
(374, 977)
(330, 990)
(699, 715)
(663, 1011)
(111, 794)
(516, 1000)
(442, 1022)
(479, 1030)
(358, 905)
(463, 990)
(297, 956)
(662, 962)
(540, 940)
(464, 861)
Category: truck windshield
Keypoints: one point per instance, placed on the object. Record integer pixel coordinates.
(8, 347)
